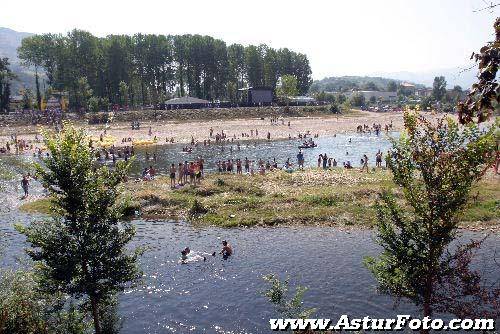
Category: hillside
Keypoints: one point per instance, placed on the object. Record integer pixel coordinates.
(334, 84)
(10, 40)
(454, 76)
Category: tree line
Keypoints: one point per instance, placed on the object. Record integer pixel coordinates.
(147, 69)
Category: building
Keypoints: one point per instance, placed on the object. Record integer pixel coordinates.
(302, 99)
(16, 102)
(379, 95)
(53, 103)
(186, 102)
(259, 95)
(407, 88)
(423, 92)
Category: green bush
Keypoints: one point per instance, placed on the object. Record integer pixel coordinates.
(24, 310)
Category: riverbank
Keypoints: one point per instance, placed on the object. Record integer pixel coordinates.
(335, 197)
(233, 123)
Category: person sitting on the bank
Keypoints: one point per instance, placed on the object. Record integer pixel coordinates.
(152, 172)
(145, 175)
(226, 249)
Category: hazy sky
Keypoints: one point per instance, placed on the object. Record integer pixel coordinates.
(340, 37)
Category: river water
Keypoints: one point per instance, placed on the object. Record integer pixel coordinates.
(225, 296)
(342, 147)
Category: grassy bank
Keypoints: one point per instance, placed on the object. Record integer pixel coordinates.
(318, 197)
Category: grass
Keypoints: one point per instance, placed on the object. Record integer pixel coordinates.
(337, 197)
(41, 205)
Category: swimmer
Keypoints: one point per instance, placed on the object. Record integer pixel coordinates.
(184, 253)
(226, 249)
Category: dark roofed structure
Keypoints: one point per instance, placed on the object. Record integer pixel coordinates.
(259, 95)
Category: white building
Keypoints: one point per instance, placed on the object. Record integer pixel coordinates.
(379, 96)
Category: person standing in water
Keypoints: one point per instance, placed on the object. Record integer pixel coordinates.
(25, 185)
(227, 250)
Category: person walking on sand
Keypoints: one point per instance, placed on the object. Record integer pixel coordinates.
(25, 185)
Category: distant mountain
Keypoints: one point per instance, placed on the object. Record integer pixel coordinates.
(335, 84)
(10, 40)
(454, 76)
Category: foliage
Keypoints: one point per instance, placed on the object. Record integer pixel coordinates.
(435, 165)
(370, 85)
(82, 94)
(279, 295)
(439, 88)
(484, 95)
(358, 99)
(427, 103)
(287, 87)
(33, 52)
(463, 292)
(93, 104)
(345, 107)
(334, 108)
(325, 97)
(392, 86)
(156, 66)
(25, 310)
(348, 83)
(197, 209)
(27, 99)
(82, 250)
(123, 88)
(6, 76)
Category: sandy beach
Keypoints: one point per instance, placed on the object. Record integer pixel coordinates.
(185, 131)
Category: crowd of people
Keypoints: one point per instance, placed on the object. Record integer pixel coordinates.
(375, 128)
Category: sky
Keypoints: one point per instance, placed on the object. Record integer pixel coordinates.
(348, 37)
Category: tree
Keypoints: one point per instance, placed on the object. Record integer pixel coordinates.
(427, 103)
(6, 76)
(123, 88)
(82, 250)
(93, 105)
(370, 85)
(288, 87)
(82, 94)
(288, 306)
(358, 100)
(373, 99)
(439, 88)
(34, 51)
(392, 86)
(27, 99)
(435, 166)
(483, 97)
(156, 66)
(27, 310)
(346, 106)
